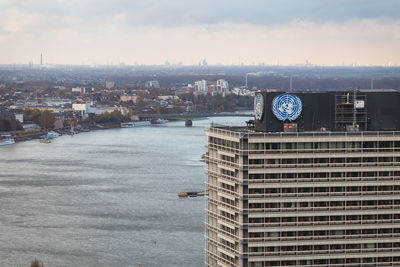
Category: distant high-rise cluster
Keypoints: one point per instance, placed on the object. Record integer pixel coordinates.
(221, 87)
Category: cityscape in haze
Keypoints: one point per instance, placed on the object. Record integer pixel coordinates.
(200, 133)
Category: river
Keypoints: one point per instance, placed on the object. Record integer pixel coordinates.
(106, 198)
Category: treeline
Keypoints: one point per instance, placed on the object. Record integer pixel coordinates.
(218, 103)
(114, 116)
(43, 118)
(310, 80)
(6, 125)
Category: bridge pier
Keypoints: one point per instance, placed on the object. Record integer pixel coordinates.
(188, 123)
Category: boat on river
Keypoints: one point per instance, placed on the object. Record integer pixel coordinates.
(141, 123)
(45, 140)
(127, 125)
(159, 121)
(51, 135)
(6, 139)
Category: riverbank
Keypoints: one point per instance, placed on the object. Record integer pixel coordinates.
(20, 136)
(27, 135)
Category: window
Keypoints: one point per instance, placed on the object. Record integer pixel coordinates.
(305, 147)
(272, 234)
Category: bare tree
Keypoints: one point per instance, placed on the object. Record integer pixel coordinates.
(36, 263)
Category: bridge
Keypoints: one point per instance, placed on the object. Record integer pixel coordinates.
(191, 116)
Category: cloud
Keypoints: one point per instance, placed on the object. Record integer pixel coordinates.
(98, 32)
(175, 13)
(14, 21)
(365, 42)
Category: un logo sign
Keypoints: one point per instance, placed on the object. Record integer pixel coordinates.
(287, 107)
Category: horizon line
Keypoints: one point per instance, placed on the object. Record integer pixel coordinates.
(194, 65)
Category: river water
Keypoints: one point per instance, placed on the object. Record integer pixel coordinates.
(105, 198)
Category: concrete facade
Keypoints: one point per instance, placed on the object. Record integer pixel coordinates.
(302, 199)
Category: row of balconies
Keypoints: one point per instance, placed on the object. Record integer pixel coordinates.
(222, 190)
(320, 194)
(333, 163)
(329, 251)
(311, 223)
(224, 148)
(220, 217)
(330, 208)
(314, 237)
(274, 178)
(219, 259)
(372, 264)
(224, 205)
(322, 223)
(303, 238)
(221, 231)
(229, 249)
(316, 165)
(216, 129)
(324, 179)
(224, 162)
(229, 131)
(226, 248)
(294, 225)
(322, 151)
(321, 237)
(250, 210)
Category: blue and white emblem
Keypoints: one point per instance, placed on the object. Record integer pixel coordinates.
(258, 106)
(287, 107)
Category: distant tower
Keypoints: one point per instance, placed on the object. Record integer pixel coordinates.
(41, 59)
(36, 97)
(291, 83)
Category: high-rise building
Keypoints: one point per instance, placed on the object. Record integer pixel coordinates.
(223, 86)
(152, 84)
(314, 180)
(201, 86)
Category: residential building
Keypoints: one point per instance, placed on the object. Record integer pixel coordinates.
(84, 108)
(7, 120)
(223, 86)
(82, 90)
(152, 84)
(201, 86)
(314, 180)
(19, 117)
(76, 90)
(110, 84)
(103, 109)
(127, 98)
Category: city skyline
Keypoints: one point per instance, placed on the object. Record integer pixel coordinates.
(225, 32)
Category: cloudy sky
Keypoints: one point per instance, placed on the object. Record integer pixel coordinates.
(324, 32)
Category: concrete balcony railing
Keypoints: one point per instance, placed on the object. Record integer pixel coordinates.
(323, 252)
(327, 180)
(319, 194)
(323, 223)
(322, 237)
